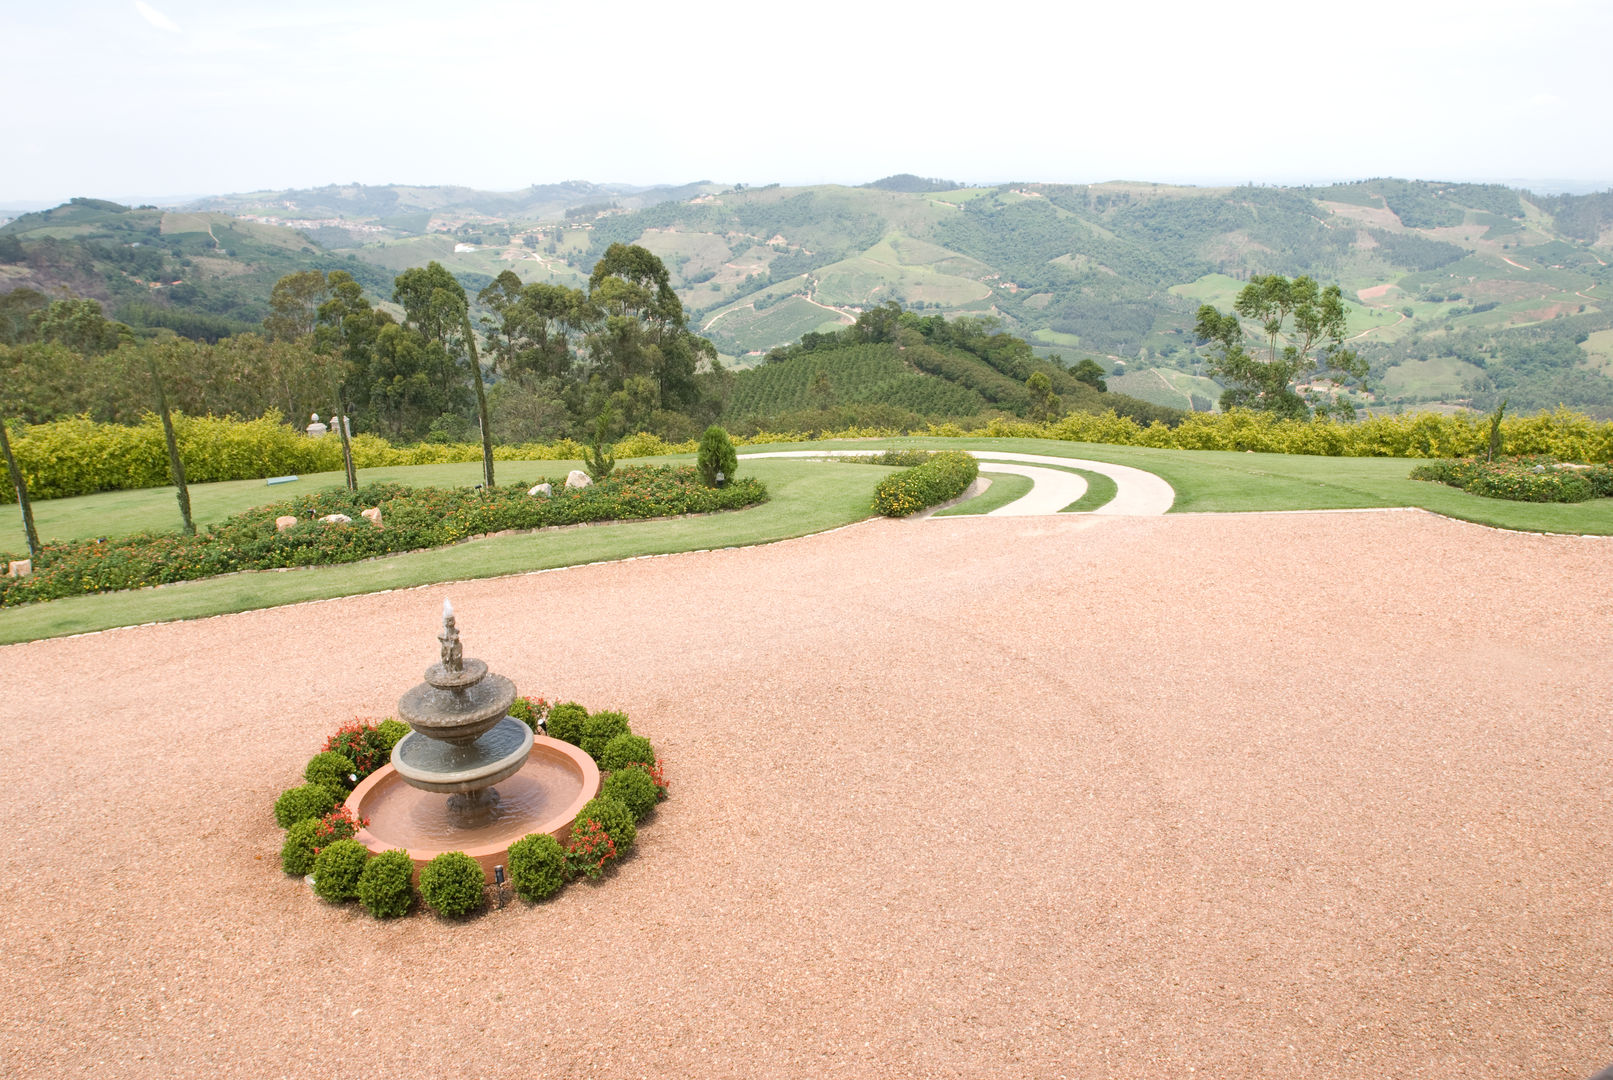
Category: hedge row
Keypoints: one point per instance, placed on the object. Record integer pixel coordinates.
(1521, 480)
(411, 519)
(78, 457)
(944, 476)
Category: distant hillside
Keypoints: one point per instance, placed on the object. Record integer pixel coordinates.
(910, 367)
(1460, 294)
(202, 275)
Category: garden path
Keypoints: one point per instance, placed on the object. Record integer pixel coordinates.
(1138, 493)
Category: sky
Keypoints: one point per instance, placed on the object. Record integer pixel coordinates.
(157, 99)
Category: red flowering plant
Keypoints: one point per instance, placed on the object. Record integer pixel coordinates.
(339, 824)
(531, 711)
(362, 743)
(590, 849)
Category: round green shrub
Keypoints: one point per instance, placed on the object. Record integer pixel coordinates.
(537, 866)
(599, 729)
(625, 750)
(331, 770)
(301, 803)
(451, 884)
(566, 720)
(388, 732)
(615, 817)
(337, 868)
(384, 887)
(716, 455)
(297, 853)
(633, 788)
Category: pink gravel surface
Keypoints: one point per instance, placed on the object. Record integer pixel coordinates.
(1296, 796)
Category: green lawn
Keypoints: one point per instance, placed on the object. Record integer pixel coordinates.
(807, 497)
(1100, 489)
(1004, 489)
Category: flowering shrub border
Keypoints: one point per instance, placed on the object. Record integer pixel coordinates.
(411, 519)
(603, 831)
(944, 476)
(1522, 479)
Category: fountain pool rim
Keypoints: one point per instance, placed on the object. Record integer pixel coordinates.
(557, 825)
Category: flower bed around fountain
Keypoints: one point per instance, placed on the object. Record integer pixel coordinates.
(369, 831)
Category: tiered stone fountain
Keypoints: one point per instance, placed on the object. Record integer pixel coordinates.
(438, 793)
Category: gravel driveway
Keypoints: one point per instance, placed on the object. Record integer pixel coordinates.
(1226, 796)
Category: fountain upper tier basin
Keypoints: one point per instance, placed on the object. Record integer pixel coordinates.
(553, 784)
(457, 712)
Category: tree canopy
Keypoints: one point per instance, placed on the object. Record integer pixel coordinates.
(1304, 328)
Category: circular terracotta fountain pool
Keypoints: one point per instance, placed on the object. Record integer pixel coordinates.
(543, 797)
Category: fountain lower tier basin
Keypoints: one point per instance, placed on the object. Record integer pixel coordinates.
(557, 780)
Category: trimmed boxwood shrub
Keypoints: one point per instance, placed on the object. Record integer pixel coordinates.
(385, 886)
(565, 722)
(303, 802)
(337, 868)
(599, 729)
(297, 853)
(633, 788)
(616, 818)
(452, 883)
(537, 866)
(943, 477)
(331, 769)
(627, 749)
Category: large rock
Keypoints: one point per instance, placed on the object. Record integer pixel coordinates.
(336, 519)
(576, 478)
(372, 515)
(284, 523)
(540, 489)
(20, 568)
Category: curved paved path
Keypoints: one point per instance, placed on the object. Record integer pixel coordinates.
(1138, 493)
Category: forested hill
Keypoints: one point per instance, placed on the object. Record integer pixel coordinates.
(1461, 294)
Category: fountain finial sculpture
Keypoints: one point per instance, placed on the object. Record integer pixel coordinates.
(453, 654)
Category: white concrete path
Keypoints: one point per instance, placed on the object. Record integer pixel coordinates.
(1137, 493)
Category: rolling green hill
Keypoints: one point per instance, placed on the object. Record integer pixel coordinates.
(1459, 284)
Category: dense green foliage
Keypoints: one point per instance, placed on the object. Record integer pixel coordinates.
(537, 867)
(945, 476)
(1521, 479)
(633, 788)
(614, 816)
(716, 460)
(624, 750)
(599, 729)
(566, 720)
(332, 770)
(297, 853)
(337, 868)
(413, 519)
(530, 712)
(452, 884)
(385, 885)
(303, 803)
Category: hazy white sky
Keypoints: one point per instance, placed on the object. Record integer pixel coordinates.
(120, 98)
